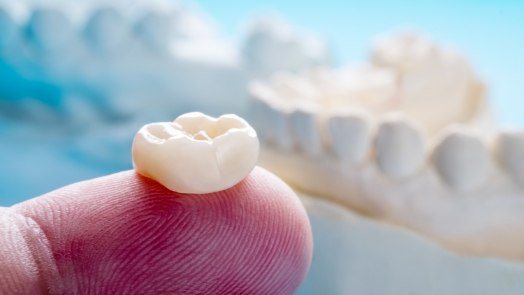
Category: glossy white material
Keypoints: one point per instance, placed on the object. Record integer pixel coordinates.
(196, 153)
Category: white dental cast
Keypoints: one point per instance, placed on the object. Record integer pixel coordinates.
(435, 84)
(377, 139)
(399, 148)
(118, 60)
(510, 153)
(196, 153)
(462, 159)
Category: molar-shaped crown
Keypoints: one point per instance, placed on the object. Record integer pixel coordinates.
(196, 153)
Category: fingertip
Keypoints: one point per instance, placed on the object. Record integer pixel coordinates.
(125, 232)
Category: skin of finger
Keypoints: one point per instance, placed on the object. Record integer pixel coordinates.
(127, 234)
(26, 262)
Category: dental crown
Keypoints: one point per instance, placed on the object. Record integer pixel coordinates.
(196, 154)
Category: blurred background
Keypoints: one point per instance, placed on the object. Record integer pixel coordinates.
(77, 78)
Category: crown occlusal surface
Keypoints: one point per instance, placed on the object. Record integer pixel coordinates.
(196, 153)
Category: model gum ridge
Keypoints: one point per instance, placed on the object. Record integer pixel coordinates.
(196, 153)
(406, 138)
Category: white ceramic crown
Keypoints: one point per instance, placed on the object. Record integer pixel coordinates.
(196, 153)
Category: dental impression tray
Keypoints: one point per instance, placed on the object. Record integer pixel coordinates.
(407, 139)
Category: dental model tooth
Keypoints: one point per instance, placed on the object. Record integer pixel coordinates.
(510, 152)
(279, 123)
(259, 119)
(294, 86)
(49, 30)
(462, 160)
(436, 85)
(306, 131)
(368, 85)
(399, 148)
(106, 31)
(272, 122)
(153, 29)
(273, 46)
(196, 154)
(349, 136)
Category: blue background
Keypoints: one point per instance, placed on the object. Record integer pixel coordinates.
(490, 33)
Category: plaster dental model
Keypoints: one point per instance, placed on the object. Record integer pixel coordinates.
(196, 153)
(115, 61)
(435, 85)
(274, 46)
(407, 139)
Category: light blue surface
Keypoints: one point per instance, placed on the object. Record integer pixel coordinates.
(489, 32)
(356, 255)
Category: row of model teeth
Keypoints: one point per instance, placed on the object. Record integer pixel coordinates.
(460, 156)
(106, 30)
